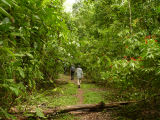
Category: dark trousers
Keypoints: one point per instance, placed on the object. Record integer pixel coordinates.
(64, 70)
(72, 75)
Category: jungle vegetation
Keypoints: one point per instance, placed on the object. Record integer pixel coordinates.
(115, 41)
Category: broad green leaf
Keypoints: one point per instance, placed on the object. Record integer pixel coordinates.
(21, 72)
(10, 80)
(19, 55)
(36, 16)
(11, 27)
(5, 112)
(39, 113)
(10, 52)
(16, 34)
(21, 86)
(5, 20)
(59, 57)
(51, 81)
(55, 89)
(30, 55)
(4, 1)
(150, 56)
(5, 13)
(132, 64)
(1, 42)
(14, 3)
(15, 90)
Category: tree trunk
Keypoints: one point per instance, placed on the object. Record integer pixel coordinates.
(130, 16)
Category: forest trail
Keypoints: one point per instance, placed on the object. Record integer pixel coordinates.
(68, 94)
(86, 114)
(80, 92)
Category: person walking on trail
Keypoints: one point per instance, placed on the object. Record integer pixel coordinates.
(72, 70)
(79, 75)
(65, 69)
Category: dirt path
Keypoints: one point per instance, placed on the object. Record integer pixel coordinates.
(80, 92)
(88, 115)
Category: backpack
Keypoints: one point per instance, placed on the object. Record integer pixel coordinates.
(72, 68)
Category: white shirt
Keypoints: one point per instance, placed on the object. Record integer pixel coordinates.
(79, 73)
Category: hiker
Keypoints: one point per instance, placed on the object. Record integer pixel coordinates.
(79, 75)
(72, 70)
(65, 68)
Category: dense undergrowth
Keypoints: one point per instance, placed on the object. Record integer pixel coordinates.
(144, 110)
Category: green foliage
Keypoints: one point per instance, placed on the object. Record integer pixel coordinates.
(89, 86)
(65, 101)
(30, 51)
(37, 38)
(109, 53)
(4, 114)
(66, 116)
(93, 95)
(59, 96)
(39, 113)
(143, 110)
(69, 89)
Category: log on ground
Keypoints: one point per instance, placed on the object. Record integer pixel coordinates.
(100, 105)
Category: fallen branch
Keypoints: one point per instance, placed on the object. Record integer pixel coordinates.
(100, 105)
